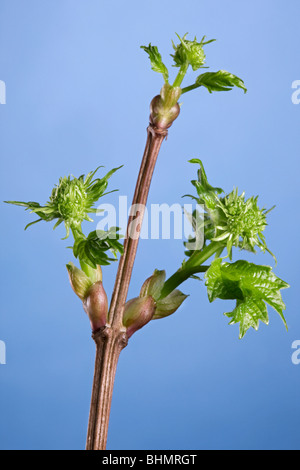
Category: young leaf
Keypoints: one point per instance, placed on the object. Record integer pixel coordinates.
(220, 81)
(156, 61)
(34, 208)
(206, 192)
(251, 285)
(93, 249)
(248, 312)
(208, 197)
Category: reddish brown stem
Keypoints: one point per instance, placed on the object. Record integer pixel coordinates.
(108, 348)
(155, 138)
(112, 338)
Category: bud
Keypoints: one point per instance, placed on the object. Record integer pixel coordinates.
(95, 306)
(154, 284)
(190, 52)
(79, 281)
(169, 304)
(87, 284)
(164, 108)
(138, 312)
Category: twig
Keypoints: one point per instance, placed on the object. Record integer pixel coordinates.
(112, 338)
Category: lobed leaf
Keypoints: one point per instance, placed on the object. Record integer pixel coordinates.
(206, 192)
(220, 81)
(156, 60)
(248, 312)
(251, 285)
(93, 249)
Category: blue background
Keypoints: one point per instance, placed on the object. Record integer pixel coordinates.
(78, 93)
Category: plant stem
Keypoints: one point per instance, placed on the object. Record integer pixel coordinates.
(192, 266)
(155, 138)
(112, 338)
(180, 76)
(108, 349)
(189, 88)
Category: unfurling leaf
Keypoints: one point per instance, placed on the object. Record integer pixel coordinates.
(248, 312)
(251, 285)
(206, 192)
(156, 61)
(220, 81)
(93, 249)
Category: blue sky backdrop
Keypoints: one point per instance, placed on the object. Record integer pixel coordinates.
(78, 94)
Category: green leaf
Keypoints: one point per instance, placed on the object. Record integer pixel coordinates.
(93, 249)
(248, 312)
(32, 223)
(220, 286)
(44, 213)
(208, 197)
(89, 177)
(156, 61)
(206, 192)
(251, 285)
(220, 81)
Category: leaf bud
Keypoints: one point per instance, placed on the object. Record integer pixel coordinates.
(87, 284)
(138, 312)
(95, 306)
(79, 281)
(154, 284)
(164, 108)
